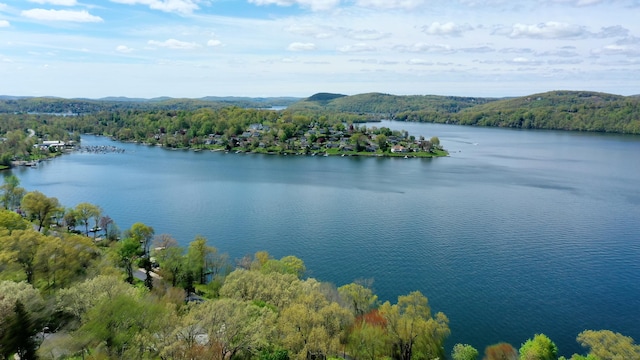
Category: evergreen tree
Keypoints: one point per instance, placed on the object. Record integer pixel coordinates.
(19, 336)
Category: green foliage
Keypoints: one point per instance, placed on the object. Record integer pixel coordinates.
(18, 336)
(128, 251)
(360, 298)
(12, 193)
(10, 221)
(85, 212)
(607, 345)
(464, 352)
(39, 208)
(539, 348)
(412, 329)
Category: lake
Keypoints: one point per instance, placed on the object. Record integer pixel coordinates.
(516, 233)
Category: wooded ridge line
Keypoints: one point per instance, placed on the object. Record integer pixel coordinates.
(554, 110)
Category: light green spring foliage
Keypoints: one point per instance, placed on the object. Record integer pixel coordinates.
(360, 298)
(78, 299)
(39, 208)
(276, 289)
(11, 291)
(85, 212)
(464, 352)
(607, 345)
(412, 329)
(12, 193)
(10, 221)
(539, 348)
(238, 327)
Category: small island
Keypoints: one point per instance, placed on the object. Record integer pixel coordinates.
(335, 140)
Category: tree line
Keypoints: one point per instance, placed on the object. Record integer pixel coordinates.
(99, 293)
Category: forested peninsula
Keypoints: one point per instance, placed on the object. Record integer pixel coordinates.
(73, 286)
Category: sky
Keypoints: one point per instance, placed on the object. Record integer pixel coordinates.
(265, 48)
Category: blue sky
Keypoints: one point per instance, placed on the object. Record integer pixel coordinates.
(196, 48)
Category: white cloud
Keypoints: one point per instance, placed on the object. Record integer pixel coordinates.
(4, 23)
(310, 30)
(446, 29)
(61, 15)
(214, 43)
(184, 7)
(360, 47)
(390, 4)
(298, 46)
(56, 2)
(422, 47)
(616, 49)
(174, 44)
(566, 53)
(478, 49)
(548, 30)
(123, 49)
(315, 5)
(578, 3)
(419, 62)
(612, 31)
(365, 34)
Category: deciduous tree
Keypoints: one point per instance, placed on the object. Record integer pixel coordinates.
(413, 330)
(12, 193)
(85, 212)
(39, 207)
(464, 352)
(607, 345)
(500, 351)
(539, 348)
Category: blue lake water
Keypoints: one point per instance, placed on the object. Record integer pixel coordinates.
(516, 233)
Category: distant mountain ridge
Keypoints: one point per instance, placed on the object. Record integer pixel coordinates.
(26, 104)
(559, 110)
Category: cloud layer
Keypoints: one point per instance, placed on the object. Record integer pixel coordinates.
(298, 47)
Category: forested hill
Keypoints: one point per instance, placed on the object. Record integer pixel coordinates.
(377, 103)
(557, 110)
(52, 105)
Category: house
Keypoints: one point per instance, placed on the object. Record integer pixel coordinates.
(398, 149)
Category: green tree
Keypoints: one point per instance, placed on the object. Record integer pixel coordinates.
(313, 326)
(359, 297)
(173, 263)
(238, 327)
(128, 251)
(12, 221)
(12, 292)
(119, 324)
(39, 207)
(81, 297)
(143, 234)
(368, 339)
(85, 212)
(464, 352)
(20, 249)
(19, 334)
(412, 329)
(381, 139)
(539, 348)
(12, 193)
(607, 345)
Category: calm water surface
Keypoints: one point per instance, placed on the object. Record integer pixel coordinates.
(516, 233)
